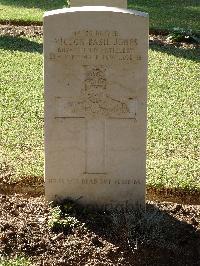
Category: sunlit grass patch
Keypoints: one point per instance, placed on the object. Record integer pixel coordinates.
(173, 119)
(21, 109)
(27, 10)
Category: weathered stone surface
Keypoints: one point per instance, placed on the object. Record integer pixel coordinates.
(95, 75)
(115, 3)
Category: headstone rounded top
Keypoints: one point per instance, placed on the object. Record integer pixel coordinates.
(94, 9)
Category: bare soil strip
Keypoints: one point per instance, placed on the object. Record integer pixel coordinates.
(34, 186)
(21, 23)
(166, 234)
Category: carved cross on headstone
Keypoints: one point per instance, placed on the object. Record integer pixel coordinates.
(96, 106)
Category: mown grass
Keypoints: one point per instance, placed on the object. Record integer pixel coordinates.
(21, 106)
(170, 14)
(27, 10)
(173, 116)
(164, 14)
(20, 261)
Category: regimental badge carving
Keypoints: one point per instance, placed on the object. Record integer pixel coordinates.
(95, 99)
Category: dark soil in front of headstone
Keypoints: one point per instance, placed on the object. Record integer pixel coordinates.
(166, 234)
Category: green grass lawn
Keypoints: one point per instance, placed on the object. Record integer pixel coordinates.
(27, 10)
(173, 122)
(164, 14)
(169, 14)
(173, 116)
(21, 106)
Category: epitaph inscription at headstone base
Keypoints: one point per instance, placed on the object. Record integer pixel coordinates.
(95, 75)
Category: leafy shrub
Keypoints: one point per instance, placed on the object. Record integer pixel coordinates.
(181, 35)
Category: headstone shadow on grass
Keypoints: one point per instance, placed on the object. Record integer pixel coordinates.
(20, 44)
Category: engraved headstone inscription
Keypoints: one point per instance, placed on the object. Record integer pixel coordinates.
(95, 76)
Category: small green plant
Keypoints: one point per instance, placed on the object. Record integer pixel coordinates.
(182, 35)
(19, 261)
(60, 221)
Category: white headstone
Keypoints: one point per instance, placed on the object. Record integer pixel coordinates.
(95, 75)
(115, 3)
